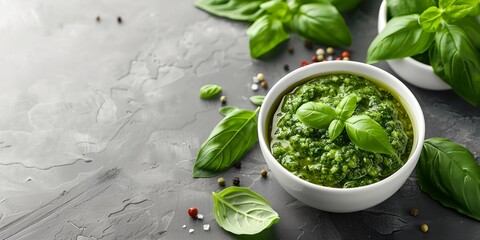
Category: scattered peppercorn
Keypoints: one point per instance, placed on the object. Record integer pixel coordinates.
(98, 19)
(119, 20)
(345, 54)
(223, 99)
(424, 228)
(346, 59)
(303, 63)
(192, 212)
(314, 59)
(264, 84)
(254, 87)
(264, 173)
(330, 50)
(320, 57)
(260, 77)
(414, 212)
(238, 165)
(291, 50)
(221, 181)
(286, 67)
(320, 51)
(236, 181)
(308, 44)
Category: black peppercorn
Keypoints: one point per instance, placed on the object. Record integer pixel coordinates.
(414, 212)
(236, 181)
(286, 67)
(238, 165)
(119, 20)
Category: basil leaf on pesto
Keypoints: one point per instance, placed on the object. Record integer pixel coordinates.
(316, 115)
(209, 91)
(346, 107)
(449, 173)
(242, 211)
(368, 135)
(228, 142)
(335, 128)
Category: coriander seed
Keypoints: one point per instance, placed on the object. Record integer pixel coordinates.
(221, 181)
(223, 99)
(264, 173)
(260, 77)
(236, 181)
(320, 51)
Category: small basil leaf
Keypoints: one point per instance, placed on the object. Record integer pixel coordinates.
(257, 100)
(226, 110)
(431, 19)
(322, 23)
(449, 173)
(346, 107)
(240, 10)
(316, 115)
(336, 127)
(456, 9)
(209, 91)
(343, 5)
(401, 7)
(241, 211)
(227, 143)
(402, 37)
(455, 60)
(368, 135)
(265, 34)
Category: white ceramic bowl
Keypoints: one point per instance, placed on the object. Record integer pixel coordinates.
(341, 199)
(409, 69)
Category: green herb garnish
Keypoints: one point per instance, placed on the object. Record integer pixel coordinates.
(257, 100)
(449, 173)
(241, 211)
(362, 130)
(226, 110)
(209, 91)
(228, 142)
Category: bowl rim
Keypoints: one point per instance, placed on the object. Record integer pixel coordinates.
(415, 112)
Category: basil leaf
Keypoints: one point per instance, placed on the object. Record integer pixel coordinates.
(402, 37)
(471, 26)
(316, 115)
(241, 211)
(320, 22)
(456, 9)
(277, 8)
(265, 34)
(227, 143)
(449, 173)
(431, 19)
(336, 127)
(257, 100)
(368, 135)
(240, 10)
(226, 110)
(402, 7)
(344, 5)
(346, 107)
(209, 91)
(455, 60)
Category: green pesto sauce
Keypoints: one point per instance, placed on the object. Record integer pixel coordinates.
(309, 154)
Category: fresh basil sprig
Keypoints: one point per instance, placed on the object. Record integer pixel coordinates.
(241, 211)
(317, 20)
(449, 173)
(209, 91)
(446, 32)
(228, 142)
(362, 130)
